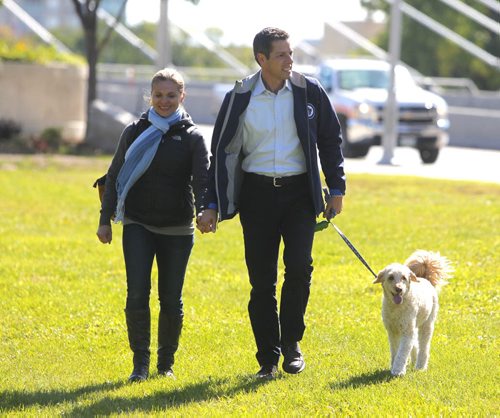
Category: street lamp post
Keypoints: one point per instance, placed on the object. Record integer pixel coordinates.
(163, 37)
(391, 109)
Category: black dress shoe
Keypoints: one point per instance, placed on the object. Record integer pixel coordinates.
(140, 374)
(293, 361)
(267, 372)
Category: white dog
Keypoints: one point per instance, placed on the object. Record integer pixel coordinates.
(410, 306)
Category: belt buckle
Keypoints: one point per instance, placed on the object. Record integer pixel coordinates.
(274, 182)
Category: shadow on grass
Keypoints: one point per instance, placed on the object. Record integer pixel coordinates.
(210, 389)
(11, 400)
(365, 379)
(207, 390)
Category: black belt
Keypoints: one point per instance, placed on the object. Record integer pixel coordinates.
(277, 181)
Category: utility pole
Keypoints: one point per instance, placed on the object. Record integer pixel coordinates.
(163, 44)
(389, 139)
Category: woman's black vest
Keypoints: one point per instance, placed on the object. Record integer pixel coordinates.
(163, 195)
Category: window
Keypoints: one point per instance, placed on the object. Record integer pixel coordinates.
(357, 79)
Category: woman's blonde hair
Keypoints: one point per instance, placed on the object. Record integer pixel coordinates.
(169, 74)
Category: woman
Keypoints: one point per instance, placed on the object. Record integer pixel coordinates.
(160, 160)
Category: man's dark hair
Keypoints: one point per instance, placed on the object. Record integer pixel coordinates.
(264, 39)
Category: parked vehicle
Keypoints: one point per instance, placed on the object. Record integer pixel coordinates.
(358, 91)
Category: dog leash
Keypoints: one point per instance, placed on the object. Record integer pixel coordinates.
(324, 224)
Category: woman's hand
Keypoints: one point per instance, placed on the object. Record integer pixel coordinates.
(105, 234)
(207, 221)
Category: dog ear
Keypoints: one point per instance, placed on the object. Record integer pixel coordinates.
(413, 277)
(380, 277)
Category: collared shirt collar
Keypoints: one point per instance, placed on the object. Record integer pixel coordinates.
(261, 88)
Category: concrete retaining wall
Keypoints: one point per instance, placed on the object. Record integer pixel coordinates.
(108, 122)
(474, 119)
(44, 96)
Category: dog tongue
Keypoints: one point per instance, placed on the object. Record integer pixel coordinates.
(397, 299)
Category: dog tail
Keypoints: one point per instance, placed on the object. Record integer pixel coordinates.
(431, 266)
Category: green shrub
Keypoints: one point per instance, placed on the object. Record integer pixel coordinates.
(50, 140)
(8, 129)
(29, 50)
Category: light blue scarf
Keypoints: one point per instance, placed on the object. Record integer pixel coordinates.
(139, 156)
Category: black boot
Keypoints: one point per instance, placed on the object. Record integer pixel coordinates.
(139, 336)
(169, 331)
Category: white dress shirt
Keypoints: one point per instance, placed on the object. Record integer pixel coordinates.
(271, 146)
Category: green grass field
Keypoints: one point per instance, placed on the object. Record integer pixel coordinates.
(63, 344)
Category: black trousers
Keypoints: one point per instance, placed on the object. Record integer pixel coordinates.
(269, 214)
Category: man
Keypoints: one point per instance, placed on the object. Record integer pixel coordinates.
(264, 165)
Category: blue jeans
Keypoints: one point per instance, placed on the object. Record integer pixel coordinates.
(172, 252)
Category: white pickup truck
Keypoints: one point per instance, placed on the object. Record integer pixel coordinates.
(358, 91)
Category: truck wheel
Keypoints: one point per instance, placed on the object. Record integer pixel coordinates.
(350, 150)
(429, 155)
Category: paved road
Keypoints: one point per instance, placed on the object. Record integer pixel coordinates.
(453, 163)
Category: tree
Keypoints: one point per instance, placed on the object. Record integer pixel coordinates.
(434, 55)
(87, 12)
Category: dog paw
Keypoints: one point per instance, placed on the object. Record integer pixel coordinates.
(398, 373)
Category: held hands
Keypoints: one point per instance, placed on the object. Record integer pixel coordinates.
(105, 234)
(207, 221)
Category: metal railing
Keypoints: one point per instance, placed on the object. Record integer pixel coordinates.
(145, 72)
(449, 34)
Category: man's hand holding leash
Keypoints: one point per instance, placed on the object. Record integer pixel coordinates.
(333, 206)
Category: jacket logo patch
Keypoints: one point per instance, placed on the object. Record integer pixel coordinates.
(176, 137)
(311, 111)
